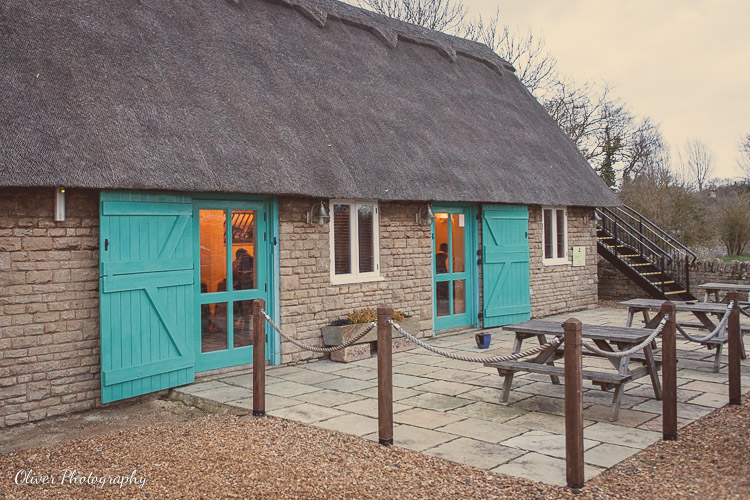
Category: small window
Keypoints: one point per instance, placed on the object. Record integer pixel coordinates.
(354, 241)
(555, 235)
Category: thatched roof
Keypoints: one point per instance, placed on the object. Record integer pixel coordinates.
(300, 97)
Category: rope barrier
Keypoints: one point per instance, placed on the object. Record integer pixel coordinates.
(471, 359)
(632, 350)
(313, 348)
(721, 326)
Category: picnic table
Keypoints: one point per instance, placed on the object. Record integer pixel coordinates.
(703, 311)
(715, 288)
(607, 338)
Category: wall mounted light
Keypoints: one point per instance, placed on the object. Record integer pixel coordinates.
(424, 214)
(318, 214)
(59, 204)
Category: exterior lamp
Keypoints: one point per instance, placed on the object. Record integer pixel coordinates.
(318, 215)
(424, 214)
(59, 204)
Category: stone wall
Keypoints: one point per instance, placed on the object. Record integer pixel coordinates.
(49, 305)
(562, 288)
(308, 299)
(615, 286)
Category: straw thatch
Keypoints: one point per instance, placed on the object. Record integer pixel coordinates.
(301, 97)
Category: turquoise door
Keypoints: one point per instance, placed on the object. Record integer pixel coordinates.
(454, 266)
(146, 293)
(505, 264)
(232, 252)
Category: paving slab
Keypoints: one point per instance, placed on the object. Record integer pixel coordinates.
(437, 402)
(626, 418)
(307, 413)
(408, 381)
(620, 435)
(417, 370)
(345, 384)
(327, 397)
(711, 400)
(273, 403)
(544, 404)
(358, 425)
(497, 413)
(368, 407)
(359, 372)
(428, 419)
(492, 395)
(535, 466)
(482, 430)
(546, 443)
(309, 377)
(418, 439)
(225, 393)
(444, 387)
(476, 453)
(701, 386)
(399, 393)
(684, 410)
(201, 387)
(289, 389)
(325, 366)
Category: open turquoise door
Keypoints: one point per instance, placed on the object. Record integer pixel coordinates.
(505, 264)
(146, 293)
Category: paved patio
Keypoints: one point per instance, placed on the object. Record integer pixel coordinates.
(451, 409)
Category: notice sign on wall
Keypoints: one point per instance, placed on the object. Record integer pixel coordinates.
(579, 256)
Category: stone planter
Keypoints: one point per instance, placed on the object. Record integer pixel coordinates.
(337, 335)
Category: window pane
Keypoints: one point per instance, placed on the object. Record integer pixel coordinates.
(560, 232)
(459, 296)
(458, 223)
(547, 214)
(365, 218)
(213, 327)
(243, 323)
(442, 291)
(244, 233)
(341, 240)
(213, 241)
(441, 243)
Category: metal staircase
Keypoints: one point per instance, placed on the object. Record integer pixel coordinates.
(645, 253)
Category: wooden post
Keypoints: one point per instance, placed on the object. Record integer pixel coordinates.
(385, 377)
(259, 359)
(735, 350)
(669, 373)
(573, 405)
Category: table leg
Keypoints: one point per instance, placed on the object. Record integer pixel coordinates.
(646, 319)
(652, 371)
(507, 383)
(543, 340)
(717, 358)
(706, 293)
(614, 413)
(631, 313)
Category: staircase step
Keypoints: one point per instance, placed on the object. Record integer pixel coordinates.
(650, 274)
(631, 255)
(640, 264)
(676, 292)
(662, 282)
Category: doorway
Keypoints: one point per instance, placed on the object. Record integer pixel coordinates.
(231, 240)
(454, 266)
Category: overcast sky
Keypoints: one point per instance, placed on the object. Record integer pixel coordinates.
(684, 63)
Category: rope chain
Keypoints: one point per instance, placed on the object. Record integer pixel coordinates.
(313, 348)
(632, 350)
(721, 326)
(471, 359)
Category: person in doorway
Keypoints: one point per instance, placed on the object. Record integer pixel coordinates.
(441, 259)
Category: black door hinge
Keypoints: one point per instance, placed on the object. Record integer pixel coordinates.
(266, 287)
(480, 316)
(265, 236)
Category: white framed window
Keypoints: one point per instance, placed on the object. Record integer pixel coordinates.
(354, 241)
(554, 236)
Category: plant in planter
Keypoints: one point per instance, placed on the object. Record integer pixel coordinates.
(343, 330)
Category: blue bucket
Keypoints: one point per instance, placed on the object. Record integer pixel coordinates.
(483, 340)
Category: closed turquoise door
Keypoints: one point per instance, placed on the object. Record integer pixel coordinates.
(454, 266)
(146, 293)
(232, 254)
(505, 264)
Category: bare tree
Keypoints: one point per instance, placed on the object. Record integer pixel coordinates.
(645, 149)
(744, 159)
(440, 15)
(697, 162)
(535, 65)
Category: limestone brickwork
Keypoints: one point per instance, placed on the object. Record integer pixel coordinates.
(49, 305)
(561, 288)
(308, 299)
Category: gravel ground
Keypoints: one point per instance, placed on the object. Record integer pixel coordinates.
(243, 457)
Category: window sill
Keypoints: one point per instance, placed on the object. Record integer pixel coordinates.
(556, 262)
(353, 280)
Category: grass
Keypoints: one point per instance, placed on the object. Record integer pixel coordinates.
(741, 258)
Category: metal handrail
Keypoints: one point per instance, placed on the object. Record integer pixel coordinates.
(669, 239)
(656, 249)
